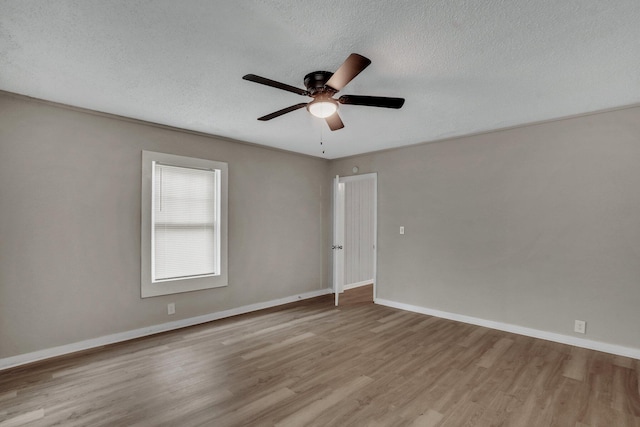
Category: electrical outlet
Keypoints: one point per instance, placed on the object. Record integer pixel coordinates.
(580, 327)
(171, 308)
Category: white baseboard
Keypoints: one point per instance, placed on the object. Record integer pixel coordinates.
(22, 359)
(521, 330)
(358, 284)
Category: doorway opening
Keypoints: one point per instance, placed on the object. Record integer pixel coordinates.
(355, 237)
(357, 296)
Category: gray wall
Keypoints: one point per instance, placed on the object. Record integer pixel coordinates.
(70, 225)
(534, 226)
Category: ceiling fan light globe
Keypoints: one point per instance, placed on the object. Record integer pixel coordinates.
(322, 109)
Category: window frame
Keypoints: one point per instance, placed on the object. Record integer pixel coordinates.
(148, 288)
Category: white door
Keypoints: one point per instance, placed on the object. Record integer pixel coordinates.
(338, 237)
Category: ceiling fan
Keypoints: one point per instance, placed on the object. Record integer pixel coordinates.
(322, 85)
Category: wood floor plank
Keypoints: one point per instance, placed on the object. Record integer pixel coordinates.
(576, 367)
(8, 394)
(310, 363)
(312, 411)
(23, 419)
(490, 357)
(429, 419)
(274, 328)
(270, 348)
(251, 411)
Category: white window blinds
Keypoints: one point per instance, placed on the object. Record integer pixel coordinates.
(185, 236)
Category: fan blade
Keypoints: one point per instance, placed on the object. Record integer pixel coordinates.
(348, 70)
(372, 101)
(281, 112)
(273, 83)
(334, 121)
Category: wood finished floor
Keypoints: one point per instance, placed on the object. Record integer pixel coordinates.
(309, 363)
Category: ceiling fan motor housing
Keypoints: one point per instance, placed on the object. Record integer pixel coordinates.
(315, 83)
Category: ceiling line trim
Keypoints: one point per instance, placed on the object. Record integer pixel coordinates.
(266, 147)
(153, 124)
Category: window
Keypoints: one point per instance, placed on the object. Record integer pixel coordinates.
(184, 238)
(184, 224)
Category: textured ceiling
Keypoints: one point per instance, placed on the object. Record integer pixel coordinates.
(464, 66)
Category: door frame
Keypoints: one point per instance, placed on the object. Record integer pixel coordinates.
(338, 237)
(336, 204)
